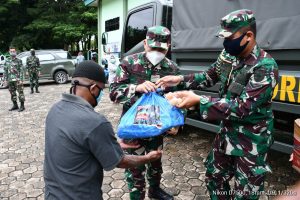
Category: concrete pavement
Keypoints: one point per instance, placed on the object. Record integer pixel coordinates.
(22, 153)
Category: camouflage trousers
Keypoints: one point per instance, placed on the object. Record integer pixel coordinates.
(249, 173)
(34, 79)
(135, 177)
(13, 87)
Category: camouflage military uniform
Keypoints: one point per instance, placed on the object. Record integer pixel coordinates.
(33, 67)
(14, 75)
(134, 70)
(244, 109)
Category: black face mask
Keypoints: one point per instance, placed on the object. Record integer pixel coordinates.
(233, 46)
(76, 82)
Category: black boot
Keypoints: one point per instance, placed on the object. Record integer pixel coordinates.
(158, 193)
(31, 91)
(37, 90)
(14, 107)
(21, 107)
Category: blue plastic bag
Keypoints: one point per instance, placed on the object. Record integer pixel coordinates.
(150, 116)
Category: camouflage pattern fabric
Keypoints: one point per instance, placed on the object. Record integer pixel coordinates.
(158, 37)
(135, 176)
(234, 21)
(34, 79)
(13, 70)
(14, 75)
(33, 67)
(244, 109)
(249, 172)
(247, 118)
(134, 70)
(14, 86)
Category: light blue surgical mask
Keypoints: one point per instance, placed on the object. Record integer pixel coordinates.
(99, 97)
(13, 54)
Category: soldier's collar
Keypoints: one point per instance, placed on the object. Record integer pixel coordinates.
(253, 56)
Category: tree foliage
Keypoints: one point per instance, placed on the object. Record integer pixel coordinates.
(44, 24)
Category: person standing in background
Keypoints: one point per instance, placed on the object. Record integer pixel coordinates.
(112, 68)
(33, 67)
(80, 57)
(14, 77)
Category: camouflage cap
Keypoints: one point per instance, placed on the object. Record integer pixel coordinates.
(158, 37)
(234, 21)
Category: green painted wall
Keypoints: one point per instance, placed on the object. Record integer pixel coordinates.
(112, 9)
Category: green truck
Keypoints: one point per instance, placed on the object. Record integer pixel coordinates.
(194, 47)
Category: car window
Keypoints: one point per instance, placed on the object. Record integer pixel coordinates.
(45, 57)
(62, 54)
(24, 60)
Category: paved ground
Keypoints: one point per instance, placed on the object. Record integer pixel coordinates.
(22, 153)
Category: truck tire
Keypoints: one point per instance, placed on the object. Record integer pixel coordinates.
(60, 77)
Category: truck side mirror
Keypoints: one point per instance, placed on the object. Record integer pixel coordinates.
(104, 38)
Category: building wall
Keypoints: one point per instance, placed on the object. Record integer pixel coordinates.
(112, 9)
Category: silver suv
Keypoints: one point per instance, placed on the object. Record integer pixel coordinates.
(56, 65)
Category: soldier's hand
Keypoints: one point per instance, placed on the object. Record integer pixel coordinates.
(154, 155)
(189, 99)
(146, 87)
(168, 81)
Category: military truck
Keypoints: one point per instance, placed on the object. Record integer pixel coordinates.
(194, 47)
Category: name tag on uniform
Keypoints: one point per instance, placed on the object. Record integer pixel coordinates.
(155, 78)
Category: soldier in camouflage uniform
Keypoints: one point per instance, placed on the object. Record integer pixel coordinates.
(33, 67)
(248, 76)
(136, 75)
(13, 76)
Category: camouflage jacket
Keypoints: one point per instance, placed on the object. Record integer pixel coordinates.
(244, 105)
(33, 64)
(13, 70)
(136, 69)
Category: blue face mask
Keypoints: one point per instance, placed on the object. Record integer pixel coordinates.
(99, 97)
(233, 46)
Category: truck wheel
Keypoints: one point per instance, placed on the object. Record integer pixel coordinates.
(2, 85)
(60, 77)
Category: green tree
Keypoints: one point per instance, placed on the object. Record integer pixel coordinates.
(44, 24)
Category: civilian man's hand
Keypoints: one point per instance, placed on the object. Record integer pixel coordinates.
(189, 99)
(168, 81)
(154, 155)
(146, 87)
(129, 145)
